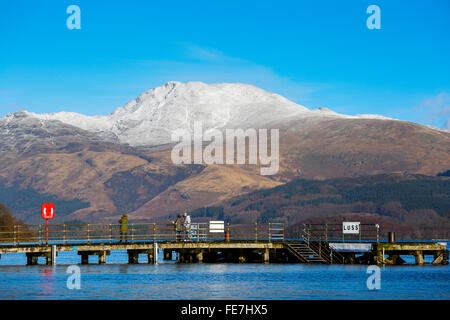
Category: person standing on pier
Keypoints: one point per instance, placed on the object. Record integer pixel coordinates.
(179, 227)
(187, 226)
(123, 227)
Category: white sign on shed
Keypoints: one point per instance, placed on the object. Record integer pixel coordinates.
(216, 226)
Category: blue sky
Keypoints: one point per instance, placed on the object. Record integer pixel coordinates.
(316, 53)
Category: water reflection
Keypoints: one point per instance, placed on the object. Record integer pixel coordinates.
(46, 282)
(168, 280)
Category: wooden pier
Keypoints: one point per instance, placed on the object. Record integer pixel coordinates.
(238, 243)
(416, 249)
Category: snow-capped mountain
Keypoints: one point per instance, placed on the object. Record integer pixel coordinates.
(155, 114)
(78, 160)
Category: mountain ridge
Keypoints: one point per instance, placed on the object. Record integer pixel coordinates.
(98, 175)
(149, 119)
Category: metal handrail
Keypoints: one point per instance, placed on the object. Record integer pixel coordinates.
(70, 233)
(326, 253)
(333, 232)
(320, 245)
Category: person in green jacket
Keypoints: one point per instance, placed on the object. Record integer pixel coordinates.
(179, 227)
(123, 227)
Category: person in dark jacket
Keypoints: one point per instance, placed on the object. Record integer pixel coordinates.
(179, 227)
(123, 227)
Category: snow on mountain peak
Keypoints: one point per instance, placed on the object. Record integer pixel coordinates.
(155, 114)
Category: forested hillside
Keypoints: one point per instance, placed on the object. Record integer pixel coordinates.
(413, 205)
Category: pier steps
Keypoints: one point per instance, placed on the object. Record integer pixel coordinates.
(304, 253)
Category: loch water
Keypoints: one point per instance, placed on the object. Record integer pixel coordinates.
(169, 280)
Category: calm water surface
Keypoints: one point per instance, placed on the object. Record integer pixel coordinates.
(168, 280)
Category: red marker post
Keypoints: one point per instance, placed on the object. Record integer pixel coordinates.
(47, 212)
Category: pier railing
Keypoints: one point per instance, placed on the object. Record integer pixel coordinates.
(333, 232)
(113, 233)
(326, 252)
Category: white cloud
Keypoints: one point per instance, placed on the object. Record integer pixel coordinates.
(439, 103)
(437, 109)
(213, 66)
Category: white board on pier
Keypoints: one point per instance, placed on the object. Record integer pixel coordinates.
(217, 226)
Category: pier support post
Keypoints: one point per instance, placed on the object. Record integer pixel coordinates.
(186, 257)
(102, 257)
(31, 259)
(200, 257)
(241, 257)
(133, 257)
(84, 258)
(419, 257)
(155, 252)
(50, 257)
(167, 254)
(266, 255)
(380, 259)
(394, 259)
(54, 253)
(439, 258)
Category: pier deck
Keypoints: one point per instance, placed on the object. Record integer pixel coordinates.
(253, 243)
